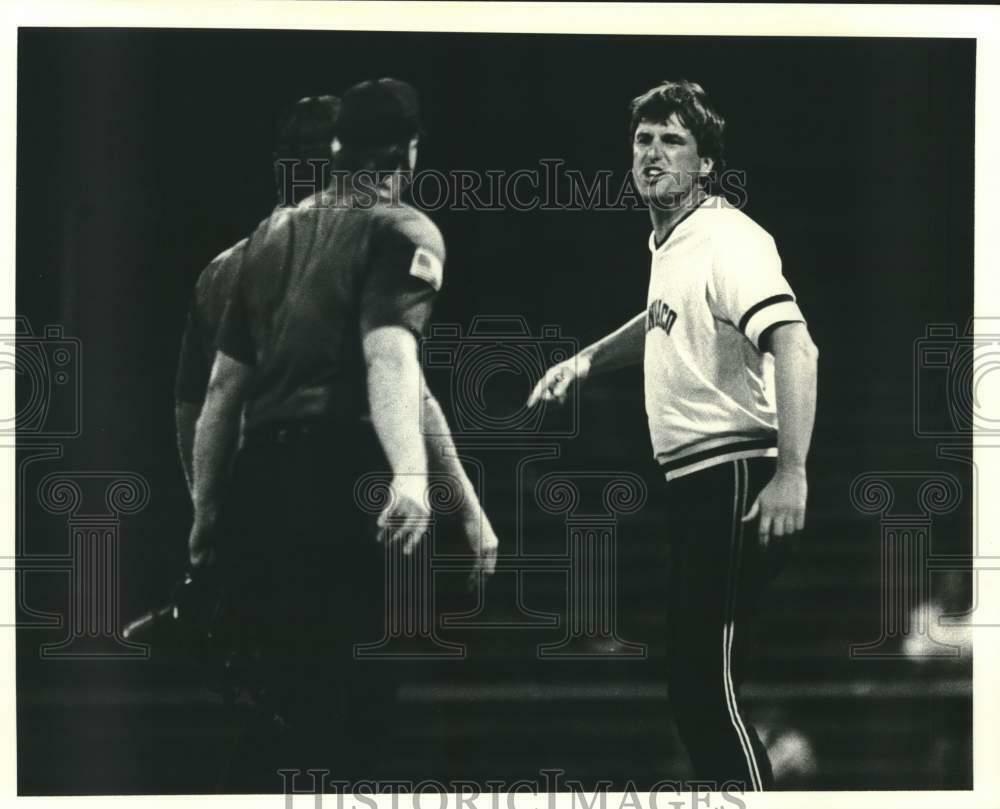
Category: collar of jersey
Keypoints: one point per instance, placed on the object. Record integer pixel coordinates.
(653, 248)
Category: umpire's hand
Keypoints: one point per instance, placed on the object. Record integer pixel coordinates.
(201, 541)
(483, 540)
(407, 517)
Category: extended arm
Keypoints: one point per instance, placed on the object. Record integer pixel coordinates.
(623, 347)
(443, 457)
(782, 502)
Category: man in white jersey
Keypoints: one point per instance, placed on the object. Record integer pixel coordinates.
(730, 389)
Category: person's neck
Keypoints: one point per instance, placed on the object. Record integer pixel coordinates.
(665, 218)
(389, 185)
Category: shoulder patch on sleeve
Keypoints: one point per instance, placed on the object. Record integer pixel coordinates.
(427, 267)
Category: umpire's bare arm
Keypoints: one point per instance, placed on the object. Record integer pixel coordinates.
(216, 437)
(393, 377)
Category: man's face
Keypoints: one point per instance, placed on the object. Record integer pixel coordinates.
(665, 161)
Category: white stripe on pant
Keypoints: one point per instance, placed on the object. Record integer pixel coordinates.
(741, 482)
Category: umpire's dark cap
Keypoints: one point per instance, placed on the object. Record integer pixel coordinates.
(379, 112)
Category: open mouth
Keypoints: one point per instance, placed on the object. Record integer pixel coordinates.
(652, 173)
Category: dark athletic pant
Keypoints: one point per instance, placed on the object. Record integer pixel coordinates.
(306, 578)
(718, 571)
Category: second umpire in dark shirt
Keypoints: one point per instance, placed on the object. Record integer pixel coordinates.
(303, 162)
(318, 353)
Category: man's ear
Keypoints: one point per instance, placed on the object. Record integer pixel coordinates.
(412, 152)
(707, 164)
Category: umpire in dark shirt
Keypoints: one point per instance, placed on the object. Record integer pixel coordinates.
(317, 351)
(303, 163)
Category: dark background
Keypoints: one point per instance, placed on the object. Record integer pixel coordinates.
(142, 154)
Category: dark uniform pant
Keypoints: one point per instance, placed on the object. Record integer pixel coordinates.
(305, 579)
(718, 571)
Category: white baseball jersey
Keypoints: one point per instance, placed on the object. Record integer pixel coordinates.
(715, 290)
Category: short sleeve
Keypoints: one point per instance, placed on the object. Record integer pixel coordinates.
(747, 287)
(235, 336)
(404, 276)
(192, 368)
